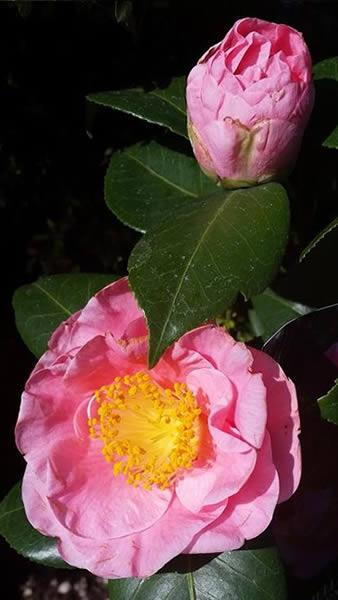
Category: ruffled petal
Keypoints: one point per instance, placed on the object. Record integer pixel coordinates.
(45, 408)
(216, 346)
(283, 422)
(212, 387)
(138, 555)
(248, 513)
(110, 310)
(251, 409)
(97, 363)
(88, 500)
(215, 481)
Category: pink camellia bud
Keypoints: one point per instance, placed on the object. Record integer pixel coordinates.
(249, 99)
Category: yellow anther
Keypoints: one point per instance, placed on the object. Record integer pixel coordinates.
(149, 434)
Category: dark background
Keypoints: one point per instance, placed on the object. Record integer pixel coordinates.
(55, 146)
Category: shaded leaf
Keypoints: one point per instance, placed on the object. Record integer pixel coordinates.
(272, 311)
(124, 11)
(41, 306)
(146, 184)
(24, 8)
(164, 107)
(326, 69)
(332, 140)
(239, 575)
(328, 229)
(306, 527)
(191, 268)
(21, 536)
(312, 281)
(328, 404)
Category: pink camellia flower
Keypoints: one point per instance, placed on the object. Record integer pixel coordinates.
(249, 99)
(128, 466)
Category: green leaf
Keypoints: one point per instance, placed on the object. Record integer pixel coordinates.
(21, 536)
(41, 306)
(239, 575)
(332, 140)
(146, 184)
(328, 404)
(192, 267)
(328, 229)
(164, 107)
(326, 69)
(272, 311)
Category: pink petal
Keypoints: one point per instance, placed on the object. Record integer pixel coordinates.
(216, 480)
(176, 364)
(283, 422)
(97, 363)
(110, 310)
(212, 386)
(251, 410)
(138, 555)
(87, 499)
(248, 513)
(226, 437)
(208, 341)
(61, 341)
(44, 414)
(129, 556)
(211, 94)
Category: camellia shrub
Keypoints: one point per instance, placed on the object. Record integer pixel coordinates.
(162, 451)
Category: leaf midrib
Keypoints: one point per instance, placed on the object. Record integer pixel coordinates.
(167, 181)
(9, 512)
(54, 300)
(180, 283)
(153, 93)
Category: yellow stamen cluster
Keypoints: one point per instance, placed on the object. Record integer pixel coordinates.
(149, 433)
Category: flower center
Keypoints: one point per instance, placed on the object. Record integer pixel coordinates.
(149, 433)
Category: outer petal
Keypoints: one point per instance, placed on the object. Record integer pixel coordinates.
(89, 501)
(248, 513)
(138, 555)
(130, 556)
(60, 342)
(110, 310)
(44, 414)
(283, 422)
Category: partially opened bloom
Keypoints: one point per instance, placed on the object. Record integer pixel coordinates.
(128, 466)
(249, 99)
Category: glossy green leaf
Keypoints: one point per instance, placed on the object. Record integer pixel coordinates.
(328, 404)
(41, 306)
(146, 184)
(239, 575)
(272, 311)
(21, 536)
(326, 69)
(164, 107)
(192, 267)
(328, 229)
